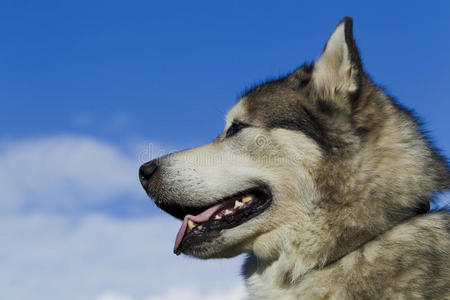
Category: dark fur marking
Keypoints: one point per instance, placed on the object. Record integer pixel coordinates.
(326, 107)
(301, 119)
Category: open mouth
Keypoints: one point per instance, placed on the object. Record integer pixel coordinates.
(229, 212)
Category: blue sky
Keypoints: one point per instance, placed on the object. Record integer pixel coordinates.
(162, 70)
(88, 87)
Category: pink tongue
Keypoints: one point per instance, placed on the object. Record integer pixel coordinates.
(203, 217)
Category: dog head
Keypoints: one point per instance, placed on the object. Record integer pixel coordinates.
(298, 161)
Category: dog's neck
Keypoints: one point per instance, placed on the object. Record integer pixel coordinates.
(284, 256)
(291, 251)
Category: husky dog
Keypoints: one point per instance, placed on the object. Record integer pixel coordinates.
(323, 180)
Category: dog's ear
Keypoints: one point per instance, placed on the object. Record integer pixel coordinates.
(339, 69)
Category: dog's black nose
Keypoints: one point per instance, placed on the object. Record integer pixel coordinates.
(146, 171)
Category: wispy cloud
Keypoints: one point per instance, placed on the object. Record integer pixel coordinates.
(52, 257)
(64, 172)
(229, 292)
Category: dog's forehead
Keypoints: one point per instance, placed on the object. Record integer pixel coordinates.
(277, 100)
(265, 108)
(279, 104)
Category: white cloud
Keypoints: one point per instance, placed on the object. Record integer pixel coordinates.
(109, 295)
(65, 172)
(236, 292)
(99, 257)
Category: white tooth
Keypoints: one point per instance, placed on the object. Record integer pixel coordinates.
(191, 224)
(238, 204)
(217, 217)
(247, 198)
(227, 212)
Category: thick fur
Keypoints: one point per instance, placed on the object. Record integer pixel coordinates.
(351, 176)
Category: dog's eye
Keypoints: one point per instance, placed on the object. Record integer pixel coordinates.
(235, 128)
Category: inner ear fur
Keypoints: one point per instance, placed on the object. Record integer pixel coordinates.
(339, 68)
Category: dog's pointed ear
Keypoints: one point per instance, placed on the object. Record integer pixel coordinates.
(339, 68)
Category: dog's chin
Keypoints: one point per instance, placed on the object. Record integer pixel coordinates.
(217, 248)
(228, 243)
(207, 234)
